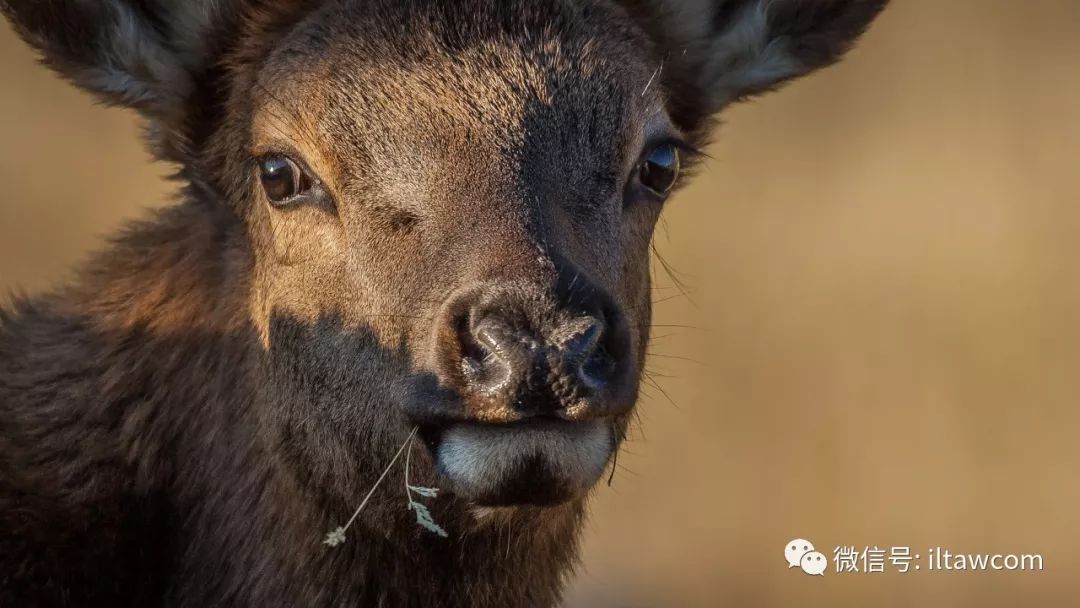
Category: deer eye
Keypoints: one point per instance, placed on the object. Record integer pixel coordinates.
(660, 169)
(282, 179)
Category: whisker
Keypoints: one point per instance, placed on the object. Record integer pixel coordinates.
(678, 357)
(648, 378)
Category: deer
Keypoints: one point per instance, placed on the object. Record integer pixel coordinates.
(415, 228)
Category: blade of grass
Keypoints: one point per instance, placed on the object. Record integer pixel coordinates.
(337, 536)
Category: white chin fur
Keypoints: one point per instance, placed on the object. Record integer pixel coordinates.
(481, 458)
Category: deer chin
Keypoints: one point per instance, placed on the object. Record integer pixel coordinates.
(537, 462)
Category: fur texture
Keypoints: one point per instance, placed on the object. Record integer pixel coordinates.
(226, 380)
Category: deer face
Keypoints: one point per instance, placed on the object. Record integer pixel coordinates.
(483, 200)
(448, 206)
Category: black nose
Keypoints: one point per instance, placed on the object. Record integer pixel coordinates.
(512, 353)
(501, 356)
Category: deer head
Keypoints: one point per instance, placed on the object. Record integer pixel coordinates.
(446, 206)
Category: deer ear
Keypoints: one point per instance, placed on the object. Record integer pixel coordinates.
(719, 51)
(109, 47)
(143, 54)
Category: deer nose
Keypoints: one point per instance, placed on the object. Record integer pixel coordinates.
(507, 352)
(507, 359)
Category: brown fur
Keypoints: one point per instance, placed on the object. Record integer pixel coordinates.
(222, 385)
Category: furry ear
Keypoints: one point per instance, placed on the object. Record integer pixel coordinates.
(715, 52)
(144, 54)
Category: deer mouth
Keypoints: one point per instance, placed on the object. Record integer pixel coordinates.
(539, 462)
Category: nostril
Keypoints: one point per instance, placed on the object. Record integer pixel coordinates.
(584, 343)
(585, 355)
(492, 353)
(494, 336)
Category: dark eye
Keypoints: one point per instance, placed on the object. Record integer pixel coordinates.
(282, 179)
(660, 169)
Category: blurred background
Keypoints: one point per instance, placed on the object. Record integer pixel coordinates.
(878, 343)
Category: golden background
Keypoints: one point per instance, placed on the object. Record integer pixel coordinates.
(881, 339)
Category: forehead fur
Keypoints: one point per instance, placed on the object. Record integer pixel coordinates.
(404, 84)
